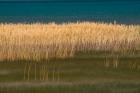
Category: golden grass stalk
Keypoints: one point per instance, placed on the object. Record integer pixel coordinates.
(43, 41)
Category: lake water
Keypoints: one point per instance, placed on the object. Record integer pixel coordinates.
(126, 12)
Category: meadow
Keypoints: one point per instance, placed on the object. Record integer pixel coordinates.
(82, 57)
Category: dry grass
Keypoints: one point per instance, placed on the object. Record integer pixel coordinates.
(42, 41)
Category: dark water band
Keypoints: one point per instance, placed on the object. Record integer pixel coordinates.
(66, 19)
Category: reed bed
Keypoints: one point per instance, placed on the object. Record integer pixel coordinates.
(44, 41)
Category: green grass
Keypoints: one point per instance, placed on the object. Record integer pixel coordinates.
(81, 74)
(113, 87)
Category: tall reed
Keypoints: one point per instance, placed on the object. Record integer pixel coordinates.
(43, 41)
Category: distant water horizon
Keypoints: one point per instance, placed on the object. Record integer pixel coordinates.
(122, 12)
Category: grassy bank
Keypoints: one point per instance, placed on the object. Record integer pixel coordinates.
(69, 58)
(74, 75)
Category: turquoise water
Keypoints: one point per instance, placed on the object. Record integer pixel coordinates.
(119, 11)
